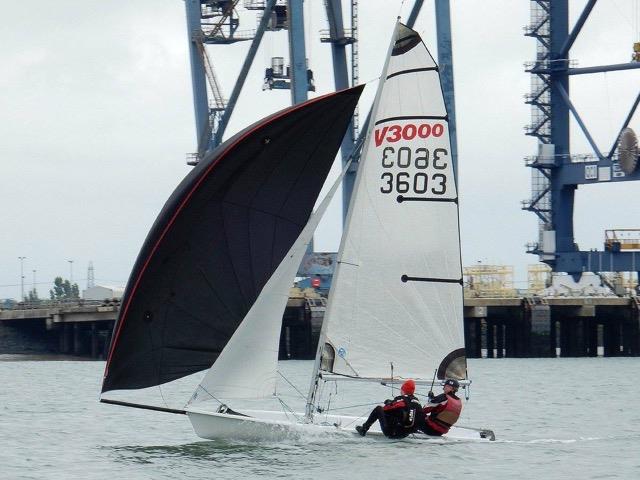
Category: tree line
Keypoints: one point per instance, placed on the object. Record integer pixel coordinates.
(62, 289)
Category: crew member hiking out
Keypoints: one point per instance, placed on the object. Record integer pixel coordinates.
(442, 411)
(398, 417)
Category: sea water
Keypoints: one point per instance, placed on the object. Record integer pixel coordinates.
(553, 418)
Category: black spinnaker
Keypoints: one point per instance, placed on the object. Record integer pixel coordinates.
(219, 238)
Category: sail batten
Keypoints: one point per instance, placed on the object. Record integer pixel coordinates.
(412, 117)
(412, 70)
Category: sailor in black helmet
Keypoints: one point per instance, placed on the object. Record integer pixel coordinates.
(443, 410)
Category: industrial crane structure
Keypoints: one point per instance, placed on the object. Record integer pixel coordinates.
(556, 172)
(216, 22)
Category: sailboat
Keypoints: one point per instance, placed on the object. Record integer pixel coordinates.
(211, 282)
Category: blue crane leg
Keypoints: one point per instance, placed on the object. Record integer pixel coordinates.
(198, 77)
(297, 52)
(244, 71)
(341, 81)
(445, 62)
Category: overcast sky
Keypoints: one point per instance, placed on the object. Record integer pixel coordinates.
(96, 118)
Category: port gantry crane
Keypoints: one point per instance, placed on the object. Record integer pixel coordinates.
(556, 173)
(217, 22)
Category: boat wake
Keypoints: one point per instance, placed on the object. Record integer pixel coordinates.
(552, 440)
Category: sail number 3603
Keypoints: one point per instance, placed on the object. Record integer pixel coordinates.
(418, 182)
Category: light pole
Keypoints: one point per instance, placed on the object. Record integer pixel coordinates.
(34, 285)
(70, 271)
(22, 278)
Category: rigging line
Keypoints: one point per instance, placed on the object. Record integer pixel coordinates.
(153, 349)
(400, 10)
(162, 396)
(391, 379)
(328, 407)
(363, 415)
(210, 394)
(351, 406)
(371, 80)
(320, 398)
(291, 384)
(287, 407)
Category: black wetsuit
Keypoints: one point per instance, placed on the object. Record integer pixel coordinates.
(398, 417)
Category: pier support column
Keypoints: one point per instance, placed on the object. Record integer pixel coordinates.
(574, 329)
(626, 335)
(107, 343)
(478, 338)
(541, 328)
(632, 334)
(77, 342)
(553, 338)
(612, 337)
(491, 339)
(511, 331)
(565, 337)
(591, 334)
(573, 338)
(473, 317)
(471, 338)
(66, 338)
(94, 340)
(500, 340)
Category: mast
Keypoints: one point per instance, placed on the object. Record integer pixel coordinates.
(311, 397)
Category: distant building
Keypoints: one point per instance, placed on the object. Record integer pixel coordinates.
(7, 303)
(100, 292)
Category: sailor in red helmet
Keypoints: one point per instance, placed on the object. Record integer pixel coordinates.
(442, 411)
(398, 417)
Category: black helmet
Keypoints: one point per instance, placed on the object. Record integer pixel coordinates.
(452, 383)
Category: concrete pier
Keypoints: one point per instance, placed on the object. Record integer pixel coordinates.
(550, 327)
(493, 327)
(70, 328)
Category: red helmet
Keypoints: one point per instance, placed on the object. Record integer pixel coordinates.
(408, 387)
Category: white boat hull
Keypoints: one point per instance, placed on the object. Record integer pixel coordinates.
(263, 425)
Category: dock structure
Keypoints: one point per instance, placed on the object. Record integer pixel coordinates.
(552, 326)
(78, 327)
(517, 326)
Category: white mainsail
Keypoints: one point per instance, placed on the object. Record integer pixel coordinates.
(396, 297)
(247, 366)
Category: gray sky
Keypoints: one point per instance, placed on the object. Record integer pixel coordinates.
(96, 118)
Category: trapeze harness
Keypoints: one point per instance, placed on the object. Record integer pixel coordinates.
(441, 421)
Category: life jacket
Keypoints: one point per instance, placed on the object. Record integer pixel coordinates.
(444, 419)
